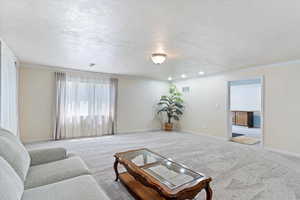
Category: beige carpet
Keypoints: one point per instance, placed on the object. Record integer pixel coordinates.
(239, 172)
(245, 140)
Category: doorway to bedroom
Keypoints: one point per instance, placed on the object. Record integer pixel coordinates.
(245, 111)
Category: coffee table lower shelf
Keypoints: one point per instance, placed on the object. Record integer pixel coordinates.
(138, 190)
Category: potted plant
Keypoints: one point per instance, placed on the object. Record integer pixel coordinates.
(172, 106)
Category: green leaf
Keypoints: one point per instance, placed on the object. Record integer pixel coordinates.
(172, 104)
(162, 110)
(163, 103)
(178, 105)
(176, 117)
(164, 98)
(178, 112)
(178, 100)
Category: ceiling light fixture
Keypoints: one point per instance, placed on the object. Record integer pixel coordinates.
(170, 78)
(158, 58)
(183, 76)
(201, 73)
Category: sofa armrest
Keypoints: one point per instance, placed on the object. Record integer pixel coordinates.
(41, 156)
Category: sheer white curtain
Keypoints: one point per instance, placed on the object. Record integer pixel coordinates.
(85, 105)
(9, 89)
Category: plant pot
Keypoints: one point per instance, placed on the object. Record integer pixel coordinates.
(168, 126)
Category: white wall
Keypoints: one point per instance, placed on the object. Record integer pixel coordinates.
(245, 97)
(136, 103)
(206, 104)
(9, 90)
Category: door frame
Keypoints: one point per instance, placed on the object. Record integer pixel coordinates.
(229, 118)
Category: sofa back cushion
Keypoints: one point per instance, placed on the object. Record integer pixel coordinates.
(13, 151)
(11, 186)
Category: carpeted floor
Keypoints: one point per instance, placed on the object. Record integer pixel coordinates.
(239, 172)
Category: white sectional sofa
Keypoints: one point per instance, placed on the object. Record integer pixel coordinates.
(44, 174)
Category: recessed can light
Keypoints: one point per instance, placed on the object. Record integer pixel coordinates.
(183, 76)
(170, 78)
(201, 73)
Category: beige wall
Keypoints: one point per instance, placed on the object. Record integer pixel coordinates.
(136, 103)
(36, 104)
(206, 104)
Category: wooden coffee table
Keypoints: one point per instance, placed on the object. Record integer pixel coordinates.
(152, 176)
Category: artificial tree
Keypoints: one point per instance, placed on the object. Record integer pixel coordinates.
(172, 106)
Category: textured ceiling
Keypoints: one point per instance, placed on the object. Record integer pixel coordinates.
(120, 35)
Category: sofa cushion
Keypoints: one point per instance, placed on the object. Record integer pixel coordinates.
(52, 172)
(11, 185)
(79, 188)
(14, 152)
(43, 156)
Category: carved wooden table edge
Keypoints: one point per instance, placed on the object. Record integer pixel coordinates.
(150, 184)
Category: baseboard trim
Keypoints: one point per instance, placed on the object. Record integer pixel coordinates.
(118, 133)
(288, 153)
(136, 131)
(205, 135)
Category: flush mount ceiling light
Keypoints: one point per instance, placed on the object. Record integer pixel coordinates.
(158, 58)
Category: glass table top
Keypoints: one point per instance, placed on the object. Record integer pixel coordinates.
(163, 169)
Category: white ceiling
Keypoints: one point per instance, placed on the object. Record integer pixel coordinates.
(120, 35)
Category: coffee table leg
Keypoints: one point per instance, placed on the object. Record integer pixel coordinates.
(116, 169)
(209, 192)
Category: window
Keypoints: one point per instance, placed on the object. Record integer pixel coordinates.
(85, 105)
(87, 99)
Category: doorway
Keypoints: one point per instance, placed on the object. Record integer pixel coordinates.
(245, 111)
